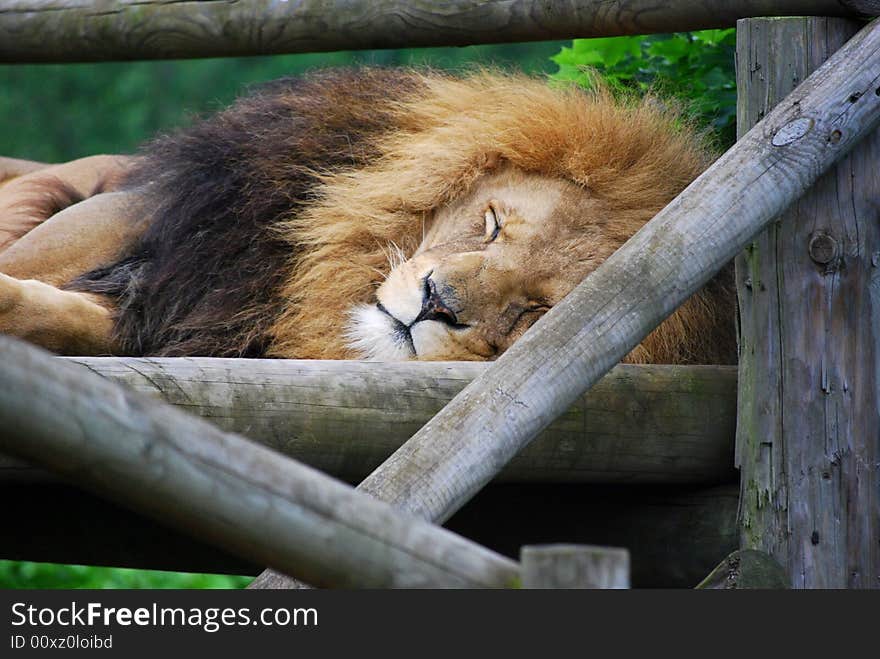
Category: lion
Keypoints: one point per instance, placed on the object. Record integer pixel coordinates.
(383, 214)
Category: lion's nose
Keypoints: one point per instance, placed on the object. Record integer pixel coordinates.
(434, 308)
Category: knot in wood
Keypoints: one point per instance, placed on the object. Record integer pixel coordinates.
(823, 248)
(792, 131)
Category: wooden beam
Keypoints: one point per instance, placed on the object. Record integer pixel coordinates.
(809, 297)
(640, 424)
(220, 487)
(644, 281)
(78, 31)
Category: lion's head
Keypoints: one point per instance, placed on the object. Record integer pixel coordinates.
(490, 264)
(489, 201)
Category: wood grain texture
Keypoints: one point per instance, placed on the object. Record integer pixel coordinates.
(606, 316)
(809, 293)
(574, 566)
(639, 424)
(221, 487)
(89, 30)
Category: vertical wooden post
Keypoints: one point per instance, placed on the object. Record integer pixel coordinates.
(574, 566)
(809, 295)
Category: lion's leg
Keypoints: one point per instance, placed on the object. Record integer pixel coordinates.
(37, 193)
(11, 168)
(83, 174)
(43, 252)
(84, 236)
(65, 322)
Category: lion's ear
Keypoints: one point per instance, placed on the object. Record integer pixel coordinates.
(489, 161)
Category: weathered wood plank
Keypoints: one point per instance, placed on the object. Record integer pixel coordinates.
(79, 30)
(574, 566)
(639, 424)
(221, 487)
(809, 293)
(606, 316)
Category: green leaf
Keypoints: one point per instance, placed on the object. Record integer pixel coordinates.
(694, 67)
(607, 52)
(671, 49)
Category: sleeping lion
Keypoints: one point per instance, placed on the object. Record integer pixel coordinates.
(369, 213)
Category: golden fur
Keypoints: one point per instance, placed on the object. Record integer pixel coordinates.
(634, 157)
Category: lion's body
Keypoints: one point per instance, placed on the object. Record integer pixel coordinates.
(262, 231)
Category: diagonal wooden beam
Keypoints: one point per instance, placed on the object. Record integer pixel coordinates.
(221, 487)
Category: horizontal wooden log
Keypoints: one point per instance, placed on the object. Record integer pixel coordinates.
(676, 534)
(221, 487)
(80, 31)
(640, 424)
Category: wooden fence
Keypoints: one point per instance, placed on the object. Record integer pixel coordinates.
(156, 29)
(810, 326)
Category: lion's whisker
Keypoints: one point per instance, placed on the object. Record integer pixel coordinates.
(379, 272)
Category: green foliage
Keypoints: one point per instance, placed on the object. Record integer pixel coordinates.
(695, 67)
(23, 574)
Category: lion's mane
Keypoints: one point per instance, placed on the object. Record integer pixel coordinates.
(269, 220)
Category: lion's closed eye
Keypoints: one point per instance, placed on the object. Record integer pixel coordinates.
(492, 218)
(527, 317)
